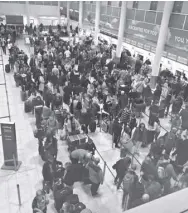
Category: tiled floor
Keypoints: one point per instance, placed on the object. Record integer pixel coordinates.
(29, 176)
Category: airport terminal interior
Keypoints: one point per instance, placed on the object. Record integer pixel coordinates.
(93, 106)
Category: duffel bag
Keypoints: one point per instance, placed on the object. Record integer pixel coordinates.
(72, 199)
(23, 95)
(79, 207)
(27, 106)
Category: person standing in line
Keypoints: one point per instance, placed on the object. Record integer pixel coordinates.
(3, 45)
(95, 175)
(9, 47)
(121, 167)
(40, 202)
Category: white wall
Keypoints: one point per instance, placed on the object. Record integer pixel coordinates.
(34, 10)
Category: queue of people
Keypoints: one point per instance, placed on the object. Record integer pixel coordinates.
(73, 87)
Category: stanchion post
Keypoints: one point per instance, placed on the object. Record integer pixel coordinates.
(14, 159)
(19, 197)
(104, 171)
(100, 120)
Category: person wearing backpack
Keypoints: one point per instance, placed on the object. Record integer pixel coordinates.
(128, 181)
(165, 172)
(121, 167)
(153, 188)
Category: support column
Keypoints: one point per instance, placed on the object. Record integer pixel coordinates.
(68, 16)
(121, 28)
(161, 41)
(27, 12)
(58, 12)
(80, 14)
(97, 21)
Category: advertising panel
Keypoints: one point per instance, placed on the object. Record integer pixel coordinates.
(8, 133)
(147, 35)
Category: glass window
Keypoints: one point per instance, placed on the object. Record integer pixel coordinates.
(135, 4)
(47, 3)
(54, 3)
(31, 2)
(153, 5)
(177, 6)
(109, 3)
(39, 2)
(120, 3)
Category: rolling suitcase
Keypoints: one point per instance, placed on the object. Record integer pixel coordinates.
(27, 106)
(7, 68)
(23, 95)
(92, 126)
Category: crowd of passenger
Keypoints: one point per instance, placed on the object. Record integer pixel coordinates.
(72, 87)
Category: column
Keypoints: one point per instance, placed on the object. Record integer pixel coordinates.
(80, 14)
(121, 28)
(27, 12)
(68, 16)
(97, 21)
(58, 12)
(161, 41)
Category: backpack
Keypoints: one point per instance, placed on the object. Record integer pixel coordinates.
(79, 105)
(128, 181)
(161, 172)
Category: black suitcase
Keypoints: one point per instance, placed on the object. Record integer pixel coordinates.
(23, 95)
(92, 126)
(161, 113)
(7, 68)
(72, 199)
(27, 106)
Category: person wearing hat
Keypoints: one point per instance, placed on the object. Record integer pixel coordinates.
(95, 175)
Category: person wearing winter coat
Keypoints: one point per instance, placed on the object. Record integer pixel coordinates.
(148, 168)
(123, 100)
(80, 155)
(153, 188)
(170, 140)
(40, 202)
(95, 175)
(177, 104)
(184, 117)
(139, 137)
(128, 181)
(116, 131)
(121, 167)
(169, 174)
(181, 148)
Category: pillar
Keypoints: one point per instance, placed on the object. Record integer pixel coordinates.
(121, 28)
(161, 41)
(80, 14)
(97, 21)
(68, 15)
(27, 12)
(58, 12)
